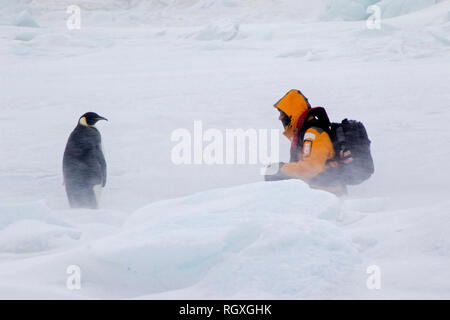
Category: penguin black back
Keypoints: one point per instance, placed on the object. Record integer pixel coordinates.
(84, 165)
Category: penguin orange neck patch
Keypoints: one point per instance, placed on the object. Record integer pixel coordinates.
(83, 121)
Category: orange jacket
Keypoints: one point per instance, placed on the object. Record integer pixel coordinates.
(317, 152)
(315, 157)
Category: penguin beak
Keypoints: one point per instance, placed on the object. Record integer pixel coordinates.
(101, 118)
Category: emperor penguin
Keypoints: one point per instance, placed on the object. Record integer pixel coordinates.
(84, 165)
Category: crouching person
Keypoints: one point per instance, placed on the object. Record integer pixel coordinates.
(313, 158)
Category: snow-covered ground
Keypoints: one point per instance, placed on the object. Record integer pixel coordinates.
(217, 231)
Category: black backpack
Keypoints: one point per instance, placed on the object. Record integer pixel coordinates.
(352, 146)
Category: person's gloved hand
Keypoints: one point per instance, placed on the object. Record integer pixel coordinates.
(273, 172)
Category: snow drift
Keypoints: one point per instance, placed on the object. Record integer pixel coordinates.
(263, 240)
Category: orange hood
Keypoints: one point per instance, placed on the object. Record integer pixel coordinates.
(294, 104)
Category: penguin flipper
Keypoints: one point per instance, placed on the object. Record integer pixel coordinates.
(102, 162)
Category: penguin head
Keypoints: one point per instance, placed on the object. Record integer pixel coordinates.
(89, 119)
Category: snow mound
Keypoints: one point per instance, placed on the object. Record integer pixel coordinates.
(31, 228)
(31, 236)
(394, 8)
(24, 19)
(10, 214)
(259, 240)
(26, 36)
(349, 9)
(359, 9)
(220, 30)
